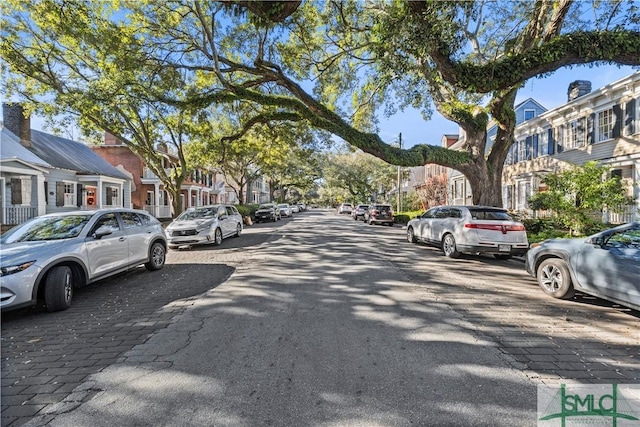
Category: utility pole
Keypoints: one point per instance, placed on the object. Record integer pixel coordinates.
(399, 177)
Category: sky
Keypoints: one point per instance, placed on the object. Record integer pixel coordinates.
(550, 92)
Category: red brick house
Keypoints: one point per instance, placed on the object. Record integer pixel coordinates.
(148, 193)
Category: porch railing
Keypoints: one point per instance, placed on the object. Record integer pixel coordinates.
(14, 215)
(159, 211)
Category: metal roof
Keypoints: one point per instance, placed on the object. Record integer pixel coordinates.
(11, 148)
(67, 154)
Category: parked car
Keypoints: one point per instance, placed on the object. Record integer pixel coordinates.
(379, 214)
(345, 208)
(285, 209)
(48, 256)
(267, 212)
(294, 208)
(605, 264)
(359, 211)
(470, 229)
(204, 225)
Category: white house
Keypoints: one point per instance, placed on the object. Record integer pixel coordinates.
(601, 125)
(42, 173)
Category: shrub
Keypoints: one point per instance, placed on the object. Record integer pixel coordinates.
(247, 210)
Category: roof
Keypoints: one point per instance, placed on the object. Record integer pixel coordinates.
(11, 148)
(67, 154)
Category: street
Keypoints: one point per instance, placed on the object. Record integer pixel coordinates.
(314, 320)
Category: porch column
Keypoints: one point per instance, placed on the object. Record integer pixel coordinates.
(40, 196)
(156, 200)
(636, 189)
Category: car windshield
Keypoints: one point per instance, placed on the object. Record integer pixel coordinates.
(490, 214)
(47, 228)
(199, 213)
(283, 206)
(265, 207)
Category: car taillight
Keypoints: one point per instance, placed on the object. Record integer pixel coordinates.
(496, 227)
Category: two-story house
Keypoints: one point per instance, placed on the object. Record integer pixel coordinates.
(202, 187)
(601, 125)
(42, 173)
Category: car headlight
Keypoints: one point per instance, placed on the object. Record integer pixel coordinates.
(12, 269)
(203, 227)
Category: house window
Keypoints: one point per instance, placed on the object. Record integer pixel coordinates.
(606, 120)
(522, 151)
(69, 194)
(574, 136)
(529, 114)
(113, 196)
(20, 191)
(543, 144)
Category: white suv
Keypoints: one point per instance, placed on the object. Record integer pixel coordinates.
(345, 208)
(470, 229)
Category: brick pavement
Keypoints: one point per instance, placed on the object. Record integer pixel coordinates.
(582, 340)
(45, 356)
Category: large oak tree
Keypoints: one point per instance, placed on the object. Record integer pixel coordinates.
(335, 65)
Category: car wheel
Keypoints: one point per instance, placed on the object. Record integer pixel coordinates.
(449, 246)
(157, 256)
(554, 278)
(501, 256)
(238, 230)
(411, 237)
(58, 290)
(217, 239)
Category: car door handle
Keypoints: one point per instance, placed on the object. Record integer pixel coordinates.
(122, 239)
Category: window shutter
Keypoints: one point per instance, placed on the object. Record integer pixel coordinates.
(591, 131)
(79, 188)
(109, 196)
(535, 145)
(59, 193)
(551, 142)
(46, 192)
(527, 148)
(516, 149)
(617, 126)
(561, 132)
(580, 131)
(630, 117)
(16, 191)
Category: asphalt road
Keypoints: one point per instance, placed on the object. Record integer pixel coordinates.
(315, 320)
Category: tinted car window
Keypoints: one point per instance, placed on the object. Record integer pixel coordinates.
(130, 219)
(107, 220)
(454, 213)
(490, 214)
(429, 213)
(442, 213)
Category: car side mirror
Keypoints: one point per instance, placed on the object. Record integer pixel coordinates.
(596, 242)
(101, 232)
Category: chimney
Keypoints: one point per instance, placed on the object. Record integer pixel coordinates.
(578, 89)
(17, 123)
(110, 139)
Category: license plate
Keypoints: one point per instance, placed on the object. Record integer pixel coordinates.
(504, 248)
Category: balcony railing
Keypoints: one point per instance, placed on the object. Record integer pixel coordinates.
(18, 214)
